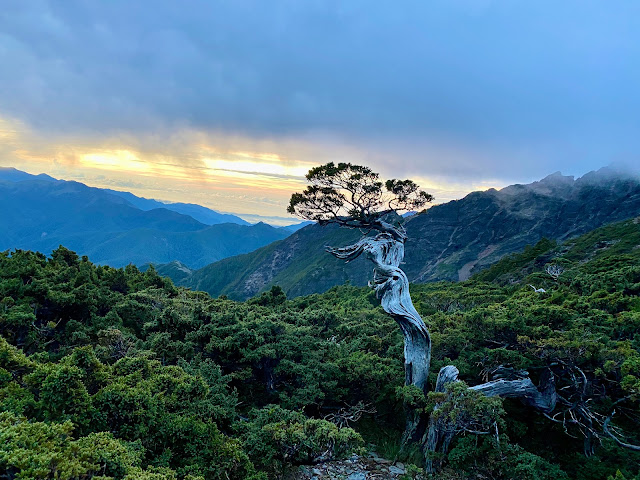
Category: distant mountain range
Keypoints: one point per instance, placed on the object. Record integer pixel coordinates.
(202, 214)
(117, 228)
(447, 242)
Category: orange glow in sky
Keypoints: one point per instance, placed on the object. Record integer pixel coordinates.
(122, 160)
(235, 176)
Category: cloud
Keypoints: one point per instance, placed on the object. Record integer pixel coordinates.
(464, 92)
(468, 69)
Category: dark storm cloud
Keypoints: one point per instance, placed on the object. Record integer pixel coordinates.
(527, 78)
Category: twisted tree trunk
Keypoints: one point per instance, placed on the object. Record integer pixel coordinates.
(386, 251)
(440, 432)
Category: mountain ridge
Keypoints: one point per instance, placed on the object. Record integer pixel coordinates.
(450, 241)
(204, 215)
(41, 213)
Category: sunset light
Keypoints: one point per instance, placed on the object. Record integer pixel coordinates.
(117, 160)
(247, 166)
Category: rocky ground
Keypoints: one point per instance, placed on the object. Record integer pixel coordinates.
(370, 467)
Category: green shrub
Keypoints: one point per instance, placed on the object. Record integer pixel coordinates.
(275, 437)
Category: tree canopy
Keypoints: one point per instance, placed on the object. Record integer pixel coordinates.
(354, 196)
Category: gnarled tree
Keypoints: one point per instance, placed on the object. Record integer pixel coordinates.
(354, 196)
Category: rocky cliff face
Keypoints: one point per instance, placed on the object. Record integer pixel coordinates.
(448, 242)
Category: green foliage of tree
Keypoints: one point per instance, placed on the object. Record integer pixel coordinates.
(501, 459)
(61, 394)
(468, 410)
(275, 436)
(619, 476)
(353, 195)
(38, 450)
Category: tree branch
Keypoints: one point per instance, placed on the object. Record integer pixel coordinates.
(605, 427)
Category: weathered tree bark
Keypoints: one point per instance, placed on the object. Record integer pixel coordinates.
(392, 288)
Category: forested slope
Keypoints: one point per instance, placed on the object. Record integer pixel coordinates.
(109, 373)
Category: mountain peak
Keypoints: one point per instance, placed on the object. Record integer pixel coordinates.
(610, 173)
(11, 174)
(555, 184)
(557, 177)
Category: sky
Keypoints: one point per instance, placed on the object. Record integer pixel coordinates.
(228, 103)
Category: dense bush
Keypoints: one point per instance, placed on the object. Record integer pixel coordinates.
(276, 437)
